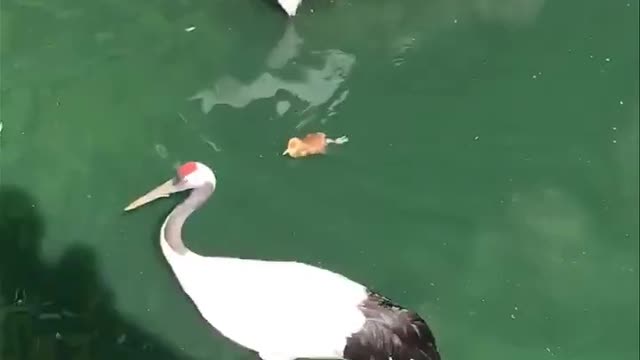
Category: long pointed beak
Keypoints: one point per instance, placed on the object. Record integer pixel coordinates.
(285, 152)
(164, 190)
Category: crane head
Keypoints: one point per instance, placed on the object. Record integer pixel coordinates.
(189, 175)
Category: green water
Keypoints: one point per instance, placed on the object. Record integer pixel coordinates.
(490, 181)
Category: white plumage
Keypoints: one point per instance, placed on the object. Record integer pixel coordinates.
(290, 6)
(284, 310)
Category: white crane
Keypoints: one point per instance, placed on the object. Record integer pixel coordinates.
(284, 310)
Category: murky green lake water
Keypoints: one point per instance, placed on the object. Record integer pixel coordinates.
(490, 181)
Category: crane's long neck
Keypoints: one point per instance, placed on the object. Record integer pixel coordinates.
(172, 229)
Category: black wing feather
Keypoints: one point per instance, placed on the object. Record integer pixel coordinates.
(391, 332)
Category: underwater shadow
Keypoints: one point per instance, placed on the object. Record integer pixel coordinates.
(60, 311)
(273, 4)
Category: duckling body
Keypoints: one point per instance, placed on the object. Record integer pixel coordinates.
(311, 144)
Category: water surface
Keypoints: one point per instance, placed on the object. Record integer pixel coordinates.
(491, 180)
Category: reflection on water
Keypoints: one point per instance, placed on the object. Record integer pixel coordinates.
(517, 12)
(315, 87)
(428, 21)
(286, 50)
(547, 254)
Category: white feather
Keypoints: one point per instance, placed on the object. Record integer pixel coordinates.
(290, 6)
(283, 310)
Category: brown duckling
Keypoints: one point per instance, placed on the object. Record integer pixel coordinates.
(311, 144)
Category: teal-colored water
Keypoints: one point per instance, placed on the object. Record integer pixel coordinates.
(490, 181)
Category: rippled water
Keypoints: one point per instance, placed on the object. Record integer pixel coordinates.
(490, 180)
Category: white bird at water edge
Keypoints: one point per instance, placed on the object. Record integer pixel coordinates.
(283, 310)
(290, 6)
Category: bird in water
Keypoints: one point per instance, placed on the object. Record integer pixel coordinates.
(311, 144)
(283, 310)
(290, 6)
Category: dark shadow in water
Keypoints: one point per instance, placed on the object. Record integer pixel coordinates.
(61, 311)
(273, 4)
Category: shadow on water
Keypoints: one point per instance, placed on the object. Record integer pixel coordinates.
(273, 4)
(62, 310)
